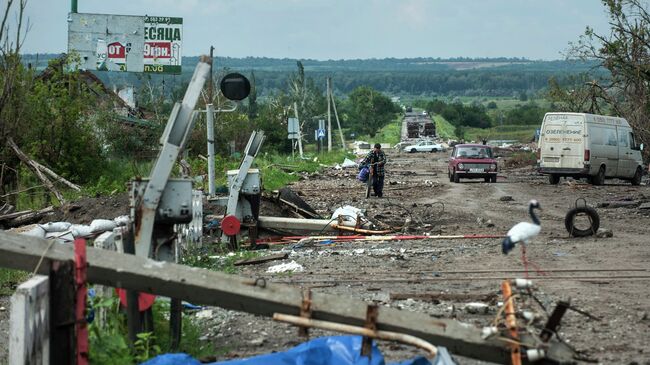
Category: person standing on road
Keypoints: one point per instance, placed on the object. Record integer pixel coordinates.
(376, 159)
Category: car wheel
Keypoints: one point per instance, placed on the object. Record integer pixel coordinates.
(451, 176)
(486, 179)
(553, 179)
(599, 179)
(434, 150)
(413, 150)
(456, 178)
(636, 179)
(493, 179)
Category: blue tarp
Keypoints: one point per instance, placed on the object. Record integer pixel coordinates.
(336, 350)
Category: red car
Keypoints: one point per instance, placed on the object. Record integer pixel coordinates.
(472, 161)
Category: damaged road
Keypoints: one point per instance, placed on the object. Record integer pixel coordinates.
(604, 277)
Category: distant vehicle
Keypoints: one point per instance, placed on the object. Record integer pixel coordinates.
(424, 146)
(472, 161)
(586, 145)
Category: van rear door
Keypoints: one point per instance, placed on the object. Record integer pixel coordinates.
(562, 141)
(627, 162)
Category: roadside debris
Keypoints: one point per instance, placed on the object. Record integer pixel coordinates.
(260, 260)
(286, 267)
(604, 233)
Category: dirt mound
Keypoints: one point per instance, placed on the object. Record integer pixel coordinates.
(84, 210)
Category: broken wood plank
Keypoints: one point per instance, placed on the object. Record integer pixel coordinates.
(258, 296)
(57, 177)
(260, 260)
(29, 217)
(14, 215)
(30, 163)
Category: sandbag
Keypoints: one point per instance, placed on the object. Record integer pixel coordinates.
(56, 226)
(81, 230)
(102, 225)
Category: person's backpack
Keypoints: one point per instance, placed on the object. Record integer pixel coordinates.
(364, 172)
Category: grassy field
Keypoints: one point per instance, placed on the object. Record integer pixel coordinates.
(388, 134)
(444, 129)
(521, 133)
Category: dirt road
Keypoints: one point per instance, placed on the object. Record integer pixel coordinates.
(416, 185)
(432, 276)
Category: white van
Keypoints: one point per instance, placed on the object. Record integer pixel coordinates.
(588, 145)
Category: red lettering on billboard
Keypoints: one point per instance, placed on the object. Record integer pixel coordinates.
(157, 50)
(116, 50)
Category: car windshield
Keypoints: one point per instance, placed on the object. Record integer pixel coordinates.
(474, 152)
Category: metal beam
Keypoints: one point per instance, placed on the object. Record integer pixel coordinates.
(256, 296)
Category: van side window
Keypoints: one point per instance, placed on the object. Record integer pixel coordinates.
(622, 140)
(633, 144)
(611, 137)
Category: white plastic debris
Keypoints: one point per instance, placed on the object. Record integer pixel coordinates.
(348, 163)
(286, 267)
(476, 307)
(56, 226)
(122, 220)
(337, 167)
(489, 331)
(347, 215)
(102, 225)
(204, 314)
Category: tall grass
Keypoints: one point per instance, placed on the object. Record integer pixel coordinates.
(444, 129)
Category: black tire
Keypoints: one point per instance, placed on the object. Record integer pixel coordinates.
(553, 179)
(576, 232)
(413, 150)
(486, 179)
(636, 179)
(451, 176)
(434, 150)
(493, 179)
(456, 177)
(599, 179)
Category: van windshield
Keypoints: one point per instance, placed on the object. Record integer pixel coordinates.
(474, 152)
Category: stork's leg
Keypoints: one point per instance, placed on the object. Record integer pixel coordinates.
(523, 259)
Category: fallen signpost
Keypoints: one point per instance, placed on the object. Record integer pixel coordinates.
(257, 296)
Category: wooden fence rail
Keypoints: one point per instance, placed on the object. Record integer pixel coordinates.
(256, 296)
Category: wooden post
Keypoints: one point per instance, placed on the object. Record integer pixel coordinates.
(63, 346)
(329, 116)
(133, 317)
(29, 335)
(175, 323)
(336, 114)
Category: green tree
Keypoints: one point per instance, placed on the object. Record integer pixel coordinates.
(369, 110)
(625, 52)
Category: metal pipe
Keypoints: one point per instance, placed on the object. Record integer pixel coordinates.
(355, 330)
(330, 273)
(73, 6)
(210, 132)
(469, 278)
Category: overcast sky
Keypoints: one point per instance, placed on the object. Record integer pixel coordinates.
(345, 29)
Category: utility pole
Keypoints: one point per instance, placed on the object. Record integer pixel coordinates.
(295, 109)
(329, 117)
(336, 114)
(209, 109)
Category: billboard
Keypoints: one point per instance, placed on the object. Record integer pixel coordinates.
(107, 42)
